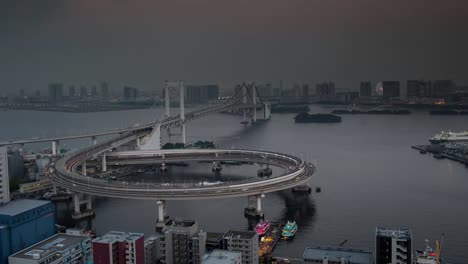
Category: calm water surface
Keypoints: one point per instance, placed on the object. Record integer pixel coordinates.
(368, 173)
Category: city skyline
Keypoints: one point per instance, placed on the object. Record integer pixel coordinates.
(144, 43)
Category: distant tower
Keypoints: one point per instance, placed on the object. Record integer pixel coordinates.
(392, 246)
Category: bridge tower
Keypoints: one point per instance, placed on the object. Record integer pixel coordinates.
(182, 110)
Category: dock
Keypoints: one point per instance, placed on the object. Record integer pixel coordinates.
(268, 243)
(441, 153)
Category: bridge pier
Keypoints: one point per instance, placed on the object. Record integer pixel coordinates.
(94, 140)
(21, 148)
(55, 147)
(255, 210)
(77, 202)
(104, 162)
(162, 217)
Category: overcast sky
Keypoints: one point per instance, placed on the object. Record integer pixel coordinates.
(142, 43)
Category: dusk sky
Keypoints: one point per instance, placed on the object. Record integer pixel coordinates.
(142, 43)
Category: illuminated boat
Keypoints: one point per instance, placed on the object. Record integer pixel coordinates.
(289, 230)
(262, 227)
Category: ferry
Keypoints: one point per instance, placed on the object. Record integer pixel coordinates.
(429, 255)
(262, 227)
(449, 137)
(289, 230)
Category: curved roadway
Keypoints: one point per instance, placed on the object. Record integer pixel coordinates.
(64, 173)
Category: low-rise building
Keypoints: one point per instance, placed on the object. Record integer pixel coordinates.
(337, 255)
(222, 257)
(119, 247)
(24, 223)
(59, 248)
(245, 242)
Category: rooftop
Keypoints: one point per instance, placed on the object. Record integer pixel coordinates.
(16, 207)
(392, 232)
(336, 254)
(240, 234)
(116, 236)
(55, 243)
(221, 257)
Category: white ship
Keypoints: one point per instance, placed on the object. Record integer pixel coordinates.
(449, 137)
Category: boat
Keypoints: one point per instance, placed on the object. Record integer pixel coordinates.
(449, 137)
(262, 227)
(317, 118)
(289, 230)
(429, 255)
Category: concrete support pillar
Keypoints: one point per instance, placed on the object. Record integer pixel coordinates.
(89, 205)
(161, 210)
(94, 140)
(55, 147)
(54, 189)
(104, 162)
(76, 203)
(259, 202)
(138, 142)
(83, 168)
(21, 148)
(182, 110)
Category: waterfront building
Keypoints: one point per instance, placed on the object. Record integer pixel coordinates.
(325, 91)
(55, 93)
(201, 94)
(222, 257)
(104, 92)
(337, 255)
(418, 89)
(130, 93)
(245, 242)
(182, 242)
(24, 223)
(365, 90)
(4, 176)
(119, 247)
(71, 91)
(443, 89)
(391, 89)
(392, 246)
(59, 248)
(152, 252)
(83, 91)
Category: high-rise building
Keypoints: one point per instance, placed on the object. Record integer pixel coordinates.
(119, 248)
(24, 223)
(325, 91)
(337, 255)
(55, 93)
(130, 93)
(442, 88)
(223, 257)
(71, 91)
(418, 89)
(201, 94)
(392, 246)
(59, 248)
(104, 92)
(4, 176)
(182, 242)
(365, 90)
(391, 89)
(245, 242)
(83, 91)
(152, 252)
